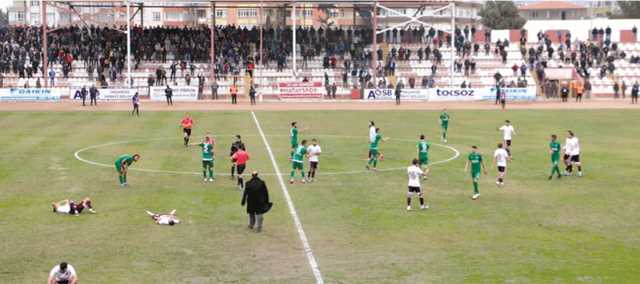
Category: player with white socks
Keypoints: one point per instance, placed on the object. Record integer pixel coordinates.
(572, 154)
(414, 174)
(507, 134)
(500, 157)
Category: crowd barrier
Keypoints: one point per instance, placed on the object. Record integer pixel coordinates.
(107, 94)
(300, 90)
(180, 93)
(32, 94)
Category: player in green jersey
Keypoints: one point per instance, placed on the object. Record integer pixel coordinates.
(208, 154)
(122, 165)
(444, 125)
(297, 161)
(423, 155)
(372, 164)
(554, 150)
(475, 160)
(293, 135)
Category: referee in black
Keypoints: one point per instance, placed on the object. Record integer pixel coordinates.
(235, 146)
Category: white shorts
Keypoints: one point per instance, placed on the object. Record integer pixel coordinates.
(63, 209)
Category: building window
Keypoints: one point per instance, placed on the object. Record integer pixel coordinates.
(35, 3)
(173, 16)
(157, 17)
(303, 13)
(221, 13)
(20, 17)
(201, 14)
(334, 13)
(247, 13)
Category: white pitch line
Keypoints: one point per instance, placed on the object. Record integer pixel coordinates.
(292, 210)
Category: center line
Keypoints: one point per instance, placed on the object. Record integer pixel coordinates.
(292, 209)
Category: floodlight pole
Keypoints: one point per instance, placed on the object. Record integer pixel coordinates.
(45, 55)
(374, 48)
(453, 34)
(213, 43)
(293, 19)
(129, 82)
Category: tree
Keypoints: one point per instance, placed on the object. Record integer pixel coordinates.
(628, 10)
(501, 15)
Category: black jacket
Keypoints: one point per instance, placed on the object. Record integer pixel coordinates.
(256, 197)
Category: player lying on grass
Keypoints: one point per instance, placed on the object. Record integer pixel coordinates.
(475, 160)
(165, 219)
(208, 155)
(372, 164)
(71, 207)
(122, 166)
(423, 155)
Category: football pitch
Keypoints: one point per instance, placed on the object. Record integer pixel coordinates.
(532, 230)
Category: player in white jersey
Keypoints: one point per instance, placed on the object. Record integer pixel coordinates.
(372, 134)
(313, 152)
(414, 174)
(165, 219)
(500, 157)
(572, 153)
(507, 134)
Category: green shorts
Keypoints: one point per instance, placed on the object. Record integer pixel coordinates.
(374, 153)
(208, 164)
(424, 159)
(294, 144)
(297, 165)
(475, 176)
(444, 126)
(118, 167)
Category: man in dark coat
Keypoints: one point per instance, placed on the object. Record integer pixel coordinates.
(256, 197)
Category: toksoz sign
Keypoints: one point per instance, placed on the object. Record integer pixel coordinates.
(455, 94)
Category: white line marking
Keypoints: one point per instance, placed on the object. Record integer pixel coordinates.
(292, 210)
(354, 172)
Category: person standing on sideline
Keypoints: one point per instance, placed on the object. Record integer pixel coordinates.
(187, 124)
(507, 134)
(93, 96)
(256, 196)
(572, 149)
(503, 99)
(635, 89)
(63, 273)
(475, 160)
(214, 90)
(83, 95)
(168, 93)
(500, 157)
(313, 151)
(136, 104)
(240, 159)
(235, 146)
(252, 94)
(414, 174)
(234, 94)
(564, 93)
(579, 91)
(554, 150)
(444, 125)
(398, 92)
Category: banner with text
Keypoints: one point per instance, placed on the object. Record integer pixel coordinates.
(300, 90)
(389, 94)
(457, 94)
(32, 94)
(514, 94)
(106, 94)
(180, 93)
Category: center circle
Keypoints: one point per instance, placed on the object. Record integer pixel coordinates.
(78, 156)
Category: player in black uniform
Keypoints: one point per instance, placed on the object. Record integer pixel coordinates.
(235, 146)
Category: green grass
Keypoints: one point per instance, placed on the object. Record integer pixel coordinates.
(530, 231)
